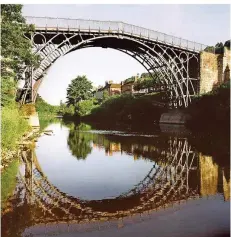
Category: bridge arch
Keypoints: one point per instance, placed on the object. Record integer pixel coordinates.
(175, 62)
(165, 183)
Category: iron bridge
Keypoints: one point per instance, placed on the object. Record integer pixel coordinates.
(174, 60)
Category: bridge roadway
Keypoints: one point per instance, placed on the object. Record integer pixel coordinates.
(174, 60)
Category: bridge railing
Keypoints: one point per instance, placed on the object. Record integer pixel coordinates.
(111, 26)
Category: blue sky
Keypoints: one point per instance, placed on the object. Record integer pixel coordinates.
(207, 24)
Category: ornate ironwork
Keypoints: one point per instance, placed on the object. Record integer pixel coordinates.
(174, 59)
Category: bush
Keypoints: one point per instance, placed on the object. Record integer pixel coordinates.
(127, 109)
(85, 107)
(13, 127)
(212, 108)
(45, 109)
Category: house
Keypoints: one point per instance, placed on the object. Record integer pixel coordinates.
(112, 88)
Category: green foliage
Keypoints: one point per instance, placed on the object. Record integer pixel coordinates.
(105, 95)
(43, 108)
(79, 141)
(13, 127)
(147, 82)
(68, 110)
(85, 107)
(45, 121)
(8, 181)
(130, 79)
(15, 48)
(227, 44)
(218, 48)
(212, 108)
(210, 49)
(79, 89)
(127, 109)
(8, 91)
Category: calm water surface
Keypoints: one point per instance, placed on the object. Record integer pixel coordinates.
(79, 176)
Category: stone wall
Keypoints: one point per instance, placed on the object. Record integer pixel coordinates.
(214, 69)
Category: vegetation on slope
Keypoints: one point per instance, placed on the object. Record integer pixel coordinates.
(45, 109)
(16, 53)
(127, 109)
(212, 110)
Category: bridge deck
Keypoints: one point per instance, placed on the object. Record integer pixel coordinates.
(110, 27)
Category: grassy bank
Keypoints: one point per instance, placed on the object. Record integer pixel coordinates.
(127, 109)
(8, 181)
(13, 127)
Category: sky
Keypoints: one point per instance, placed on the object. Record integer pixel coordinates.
(206, 24)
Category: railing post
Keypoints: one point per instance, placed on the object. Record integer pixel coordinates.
(46, 25)
(57, 23)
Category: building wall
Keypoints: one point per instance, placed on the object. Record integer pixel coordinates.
(114, 91)
(214, 69)
(127, 88)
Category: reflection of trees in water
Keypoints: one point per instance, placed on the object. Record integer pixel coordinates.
(79, 143)
(141, 147)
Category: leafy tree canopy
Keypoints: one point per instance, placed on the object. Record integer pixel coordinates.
(16, 50)
(44, 108)
(147, 82)
(79, 89)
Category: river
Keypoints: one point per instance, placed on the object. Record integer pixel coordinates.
(96, 181)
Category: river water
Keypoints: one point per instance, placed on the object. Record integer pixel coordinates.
(86, 180)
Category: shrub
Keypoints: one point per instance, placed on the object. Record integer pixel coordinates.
(13, 127)
(85, 107)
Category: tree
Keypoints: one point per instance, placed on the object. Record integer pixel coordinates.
(85, 107)
(80, 142)
(105, 95)
(15, 49)
(43, 107)
(79, 89)
(147, 82)
(227, 44)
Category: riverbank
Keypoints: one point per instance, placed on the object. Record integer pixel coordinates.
(128, 109)
(211, 111)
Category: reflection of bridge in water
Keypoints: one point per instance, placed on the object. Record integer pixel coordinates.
(178, 174)
(166, 183)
